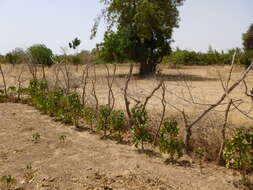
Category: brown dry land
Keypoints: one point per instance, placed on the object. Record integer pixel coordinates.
(85, 161)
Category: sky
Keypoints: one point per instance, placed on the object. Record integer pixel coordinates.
(219, 23)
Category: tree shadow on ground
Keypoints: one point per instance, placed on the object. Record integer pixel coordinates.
(150, 153)
(182, 163)
(171, 77)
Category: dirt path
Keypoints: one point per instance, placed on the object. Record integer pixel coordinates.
(84, 161)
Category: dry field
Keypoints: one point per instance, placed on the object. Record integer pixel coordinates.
(86, 162)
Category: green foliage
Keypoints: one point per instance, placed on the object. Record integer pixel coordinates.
(54, 102)
(75, 43)
(8, 181)
(103, 118)
(90, 116)
(143, 30)
(185, 57)
(139, 120)
(36, 137)
(73, 108)
(246, 58)
(40, 54)
(16, 56)
(248, 39)
(238, 151)
(62, 138)
(169, 140)
(64, 107)
(117, 123)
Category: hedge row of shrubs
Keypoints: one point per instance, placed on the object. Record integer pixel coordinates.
(67, 107)
(40, 54)
(212, 57)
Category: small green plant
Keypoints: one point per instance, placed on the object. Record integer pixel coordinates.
(90, 116)
(103, 118)
(200, 155)
(62, 138)
(139, 121)
(117, 123)
(8, 181)
(74, 107)
(36, 137)
(238, 152)
(169, 140)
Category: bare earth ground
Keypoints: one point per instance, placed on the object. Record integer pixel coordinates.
(85, 161)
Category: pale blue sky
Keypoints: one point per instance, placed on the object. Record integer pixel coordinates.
(219, 23)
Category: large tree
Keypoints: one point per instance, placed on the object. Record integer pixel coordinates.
(138, 30)
(248, 39)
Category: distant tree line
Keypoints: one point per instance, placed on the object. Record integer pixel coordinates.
(40, 54)
(211, 57)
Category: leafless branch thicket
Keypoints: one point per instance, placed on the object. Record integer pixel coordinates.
(111, 97)
(3, 78)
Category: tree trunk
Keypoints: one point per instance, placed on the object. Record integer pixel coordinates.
(187, 137)
(147, 68)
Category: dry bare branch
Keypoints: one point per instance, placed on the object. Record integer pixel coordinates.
(3, 77)
(127, 103)
(223, 134)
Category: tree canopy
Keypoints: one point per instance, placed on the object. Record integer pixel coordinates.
(40, 54)
(248, 39)
(138, 30)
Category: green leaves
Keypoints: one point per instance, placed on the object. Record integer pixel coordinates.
(117, 123)
(75, 43)
(103, 118)
(139, 119)
(169, 141)
(248, 39)
(238, 151)
(8, 180)
(143, 29)
(40, 54)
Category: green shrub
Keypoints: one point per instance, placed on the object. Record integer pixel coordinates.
(8, 181)
(246, 58)
(169, 140)
(117, 123)
(90, 116)
(103, 118)
(54, 106)
(238, 152)
(15, 57)
(40, 54)
(139, 120)
(74, 107)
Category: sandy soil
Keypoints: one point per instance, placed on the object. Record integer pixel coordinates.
(84, 161)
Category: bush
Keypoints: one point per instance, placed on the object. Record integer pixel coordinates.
(246, 58)
(238, 151)
(169, 140)
(139, 121)
(185, 57)
(90, 116)
(40, 54)
(103, 118)
(117, 123)
(15, 57)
